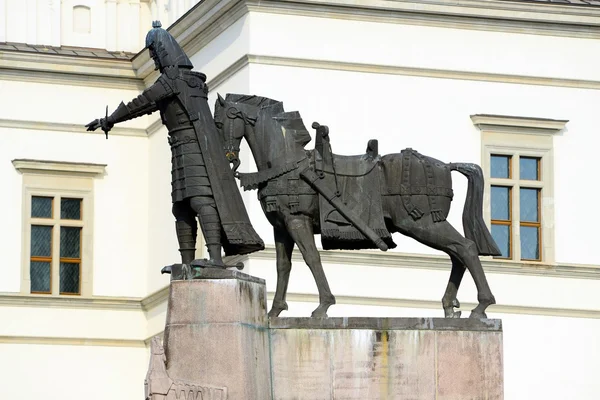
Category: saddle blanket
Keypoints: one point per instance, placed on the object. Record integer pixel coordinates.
(359, 189)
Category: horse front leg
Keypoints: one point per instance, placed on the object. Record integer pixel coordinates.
(300, 229)
(284, 246)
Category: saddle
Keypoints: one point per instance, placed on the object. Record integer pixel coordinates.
(356, 180)
(355, 165)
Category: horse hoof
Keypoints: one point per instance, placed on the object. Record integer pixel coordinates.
(477, 315)
(274, 312)
(452, 314)
(455, 303)
(318, 314)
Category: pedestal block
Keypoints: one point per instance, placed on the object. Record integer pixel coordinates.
(216, 335)
(386, 358)
(219, 345)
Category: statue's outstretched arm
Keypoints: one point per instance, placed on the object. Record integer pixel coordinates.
(145, 103)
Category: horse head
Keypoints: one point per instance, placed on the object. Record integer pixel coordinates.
(235, 118)
(232, 118)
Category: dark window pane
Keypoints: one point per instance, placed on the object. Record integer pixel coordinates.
(530, 243)
(69, 242)
(528, 167)
(70, 208)
(500, 167)
(40, 276)
(529, 205)
(501, 235)
(69, 278)
(500, 202)
(41, 207)
(41, 240)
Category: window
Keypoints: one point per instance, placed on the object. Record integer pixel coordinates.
(55, 244)
(510, 185)
(517, 159)
(57, 227)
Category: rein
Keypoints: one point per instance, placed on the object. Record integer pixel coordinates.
(230, 147)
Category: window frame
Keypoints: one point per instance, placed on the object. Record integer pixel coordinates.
(521, 137)
(58, 180)
(515, 183)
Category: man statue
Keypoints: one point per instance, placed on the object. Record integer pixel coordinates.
(203, 184)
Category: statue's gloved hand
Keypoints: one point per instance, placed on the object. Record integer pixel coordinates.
(103, 123)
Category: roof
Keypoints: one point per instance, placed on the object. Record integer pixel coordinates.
(67, 51)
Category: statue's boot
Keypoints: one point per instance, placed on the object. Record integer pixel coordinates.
(187, 231)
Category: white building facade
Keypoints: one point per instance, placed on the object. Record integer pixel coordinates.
(513, 86)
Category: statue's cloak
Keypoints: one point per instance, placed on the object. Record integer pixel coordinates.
(238, 235)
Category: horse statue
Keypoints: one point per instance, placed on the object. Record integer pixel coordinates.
(354, 202)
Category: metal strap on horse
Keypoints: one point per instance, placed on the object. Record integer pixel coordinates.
(436, 213)
(407, 190)
(412, 210)
(322, 139)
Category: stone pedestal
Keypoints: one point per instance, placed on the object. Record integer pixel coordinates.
(216, 336)
(386, 358)
(219, 345)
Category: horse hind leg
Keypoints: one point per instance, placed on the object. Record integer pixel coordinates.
(443, 236)
(300, 229)
(284, 246)
(449, 301)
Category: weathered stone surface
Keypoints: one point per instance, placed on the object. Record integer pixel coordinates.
(381, 358)
(160, 386)
(217, 333)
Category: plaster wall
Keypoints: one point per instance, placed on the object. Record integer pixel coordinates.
(120, 214)
(64, 322)
(431, 115)
(380, 43)
(34, 372)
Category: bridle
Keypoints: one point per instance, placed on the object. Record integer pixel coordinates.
(232, 149)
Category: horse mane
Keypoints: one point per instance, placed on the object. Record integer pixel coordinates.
(291, 121)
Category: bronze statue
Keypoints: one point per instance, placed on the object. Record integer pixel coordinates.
(203, 184)
(354, 202)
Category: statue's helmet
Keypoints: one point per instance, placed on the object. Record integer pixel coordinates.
(164, 50)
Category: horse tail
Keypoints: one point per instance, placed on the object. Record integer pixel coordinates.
(473, 224)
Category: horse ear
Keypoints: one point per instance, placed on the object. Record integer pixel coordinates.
(221, 99)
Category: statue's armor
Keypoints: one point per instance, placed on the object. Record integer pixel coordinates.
(188, 172)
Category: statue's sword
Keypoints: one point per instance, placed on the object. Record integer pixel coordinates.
(314, 181)
(103, 128)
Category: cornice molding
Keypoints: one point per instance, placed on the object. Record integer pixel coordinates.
(440, 263)
(45, 301)
(71, 341)
(422, 72)
(256, 59)
(436, 305)
(65, 70)
(71, 128)
(58, 167)
(430, 305)
(489, 15)
(155, 299)
(512, 124)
